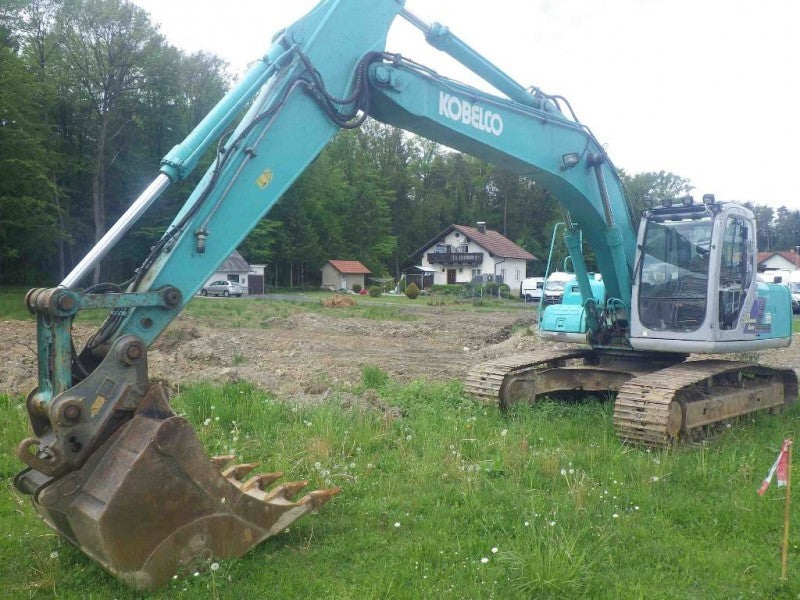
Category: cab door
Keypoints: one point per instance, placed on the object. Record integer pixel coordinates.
(735, 277)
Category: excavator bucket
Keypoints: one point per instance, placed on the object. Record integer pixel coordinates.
(149, 503)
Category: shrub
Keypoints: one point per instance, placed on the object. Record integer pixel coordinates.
(356, 287)
(375, 291)
(490, 288)
(446, 290)
(412, 291)
(504, 291)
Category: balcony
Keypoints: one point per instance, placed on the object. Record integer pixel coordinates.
(456, 259)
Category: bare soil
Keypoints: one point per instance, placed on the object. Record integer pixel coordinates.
(303, 356)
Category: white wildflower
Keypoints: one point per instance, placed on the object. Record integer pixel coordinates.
(504, 432)
(215, 566)
(552, 523)
(494, 550)
(654, 478)
(563, 471)
(317, 465)
(571, 471)
(196, 573)
(636, 507)
(207, 422)
(615, 516)
(54, 554)
(397, 524)
(527, 523)
(484, 560)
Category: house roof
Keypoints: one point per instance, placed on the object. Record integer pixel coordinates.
(350, 267)
(235, 263)
(789, 255)
(494, 242)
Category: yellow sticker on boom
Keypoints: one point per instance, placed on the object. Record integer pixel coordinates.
(97, 405)
(264, 179)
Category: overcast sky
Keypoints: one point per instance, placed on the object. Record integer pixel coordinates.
(707, 89)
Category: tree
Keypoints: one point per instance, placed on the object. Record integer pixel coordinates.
(649, 189)
(27, 224)
(104, 45)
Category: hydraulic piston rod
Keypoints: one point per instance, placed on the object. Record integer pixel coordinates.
(120, 228)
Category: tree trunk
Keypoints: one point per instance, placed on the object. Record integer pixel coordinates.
(98, 188)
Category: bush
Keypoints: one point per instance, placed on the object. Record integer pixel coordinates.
(490, 288)
(375, 291)
(412, 291)
(356, 287)
(504, 291)
(447, 290)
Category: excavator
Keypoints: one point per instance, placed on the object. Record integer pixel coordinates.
(112, 468)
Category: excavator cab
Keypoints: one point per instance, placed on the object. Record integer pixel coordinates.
(695, 288)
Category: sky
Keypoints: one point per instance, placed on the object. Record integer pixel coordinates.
(707, 89)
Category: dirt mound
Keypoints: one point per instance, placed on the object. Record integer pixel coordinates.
(338, 300)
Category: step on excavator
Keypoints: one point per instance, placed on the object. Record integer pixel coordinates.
(114, 470)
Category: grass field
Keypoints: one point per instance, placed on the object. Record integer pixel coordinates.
(456, 500)
(250, 312)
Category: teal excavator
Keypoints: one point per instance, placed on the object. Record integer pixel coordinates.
(112, 468)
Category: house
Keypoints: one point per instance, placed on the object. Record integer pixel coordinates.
(460, 253)
(345, 274)
(236, 268)
(783, 260)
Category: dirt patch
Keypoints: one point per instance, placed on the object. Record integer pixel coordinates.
(338, 301)
(303, 357)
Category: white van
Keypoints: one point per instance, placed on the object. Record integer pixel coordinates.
(530, 290)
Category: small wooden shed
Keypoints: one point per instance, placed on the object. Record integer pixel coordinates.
(343, 274)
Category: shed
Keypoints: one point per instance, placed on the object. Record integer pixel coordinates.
(345, 274)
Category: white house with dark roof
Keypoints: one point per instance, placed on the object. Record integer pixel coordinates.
(460, 253)
(236, 268)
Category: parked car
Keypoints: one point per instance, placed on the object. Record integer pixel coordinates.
(223, 288)
(794, 288)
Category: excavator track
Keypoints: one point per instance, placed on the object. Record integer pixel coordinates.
(487, 381)
(689, 401)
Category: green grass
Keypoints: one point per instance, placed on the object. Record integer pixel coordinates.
(796, 324)
(572, 513)
(257, 312)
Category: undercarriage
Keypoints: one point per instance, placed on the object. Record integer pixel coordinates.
(661, 399)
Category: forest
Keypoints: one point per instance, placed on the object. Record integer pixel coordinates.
(92, 96)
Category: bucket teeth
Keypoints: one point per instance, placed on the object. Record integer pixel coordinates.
(215, 508)
(321, 497)
(237, 472)
(222, 460)
(285, 491)
(260, 481)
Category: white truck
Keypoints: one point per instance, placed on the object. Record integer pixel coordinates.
(530, 290)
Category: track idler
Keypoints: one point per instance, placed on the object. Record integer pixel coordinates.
(149, 503)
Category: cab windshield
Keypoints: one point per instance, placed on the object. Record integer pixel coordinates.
(674, 274)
